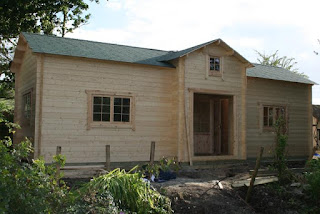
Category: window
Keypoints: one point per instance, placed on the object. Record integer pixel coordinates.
(27, 105)
(215, 64)
(113, 110)
(271, 114)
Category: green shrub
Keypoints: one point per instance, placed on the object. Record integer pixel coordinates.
(313, 178)
(129, 192)
(28, 187)
(280, 156)
(92, 201)
(165, 165)
(169, 164)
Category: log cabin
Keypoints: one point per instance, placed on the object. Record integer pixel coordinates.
(204, 103)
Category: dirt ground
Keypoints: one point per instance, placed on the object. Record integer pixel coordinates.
(197, 191)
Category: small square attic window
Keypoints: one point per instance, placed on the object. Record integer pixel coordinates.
(215, 64)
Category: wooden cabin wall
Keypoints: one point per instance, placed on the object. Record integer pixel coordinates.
(297, 98)
(232, 82)
(65, 106)
(25, 81)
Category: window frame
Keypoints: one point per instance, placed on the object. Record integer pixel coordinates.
(110, 124)
(273, 106)
(24, 94)
(214, 73)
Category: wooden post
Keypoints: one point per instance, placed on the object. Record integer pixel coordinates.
(152, 151)
(107, 158)
(253, 177)
(58, 152)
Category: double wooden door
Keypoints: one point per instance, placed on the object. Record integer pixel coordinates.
(210, 125)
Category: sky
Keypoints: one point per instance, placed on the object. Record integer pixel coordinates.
(292, 27)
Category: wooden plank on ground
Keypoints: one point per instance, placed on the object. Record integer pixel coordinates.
(258, 180)
(267, 172)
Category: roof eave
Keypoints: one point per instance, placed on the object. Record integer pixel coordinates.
(313, 83)
(21, 48)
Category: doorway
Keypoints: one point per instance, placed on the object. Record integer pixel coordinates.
(212, 122)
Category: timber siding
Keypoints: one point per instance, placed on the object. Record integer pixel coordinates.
(65, 106)
(297, 98)
(25, 82)
(232, 82)
(62, 72)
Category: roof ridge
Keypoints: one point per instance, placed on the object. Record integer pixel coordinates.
(85, 40)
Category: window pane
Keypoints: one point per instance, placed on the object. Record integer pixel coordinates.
(265, 116)
(97, 100)
(126, 110)
(27, 105)
(270, 116)
(117, 101)
(105, 117)
(106, 109)
(117, 117)
(96, 117)
(117, 109)
(125, 118)
(126, 101)
(106, 100)
(211, 63)
(215, 64)
(96, 108)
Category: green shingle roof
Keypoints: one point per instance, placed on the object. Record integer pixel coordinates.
(94, 50)
(121, 53)
(276, 73)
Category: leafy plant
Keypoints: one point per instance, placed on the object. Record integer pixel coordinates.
(168, 164)
(92, 201)
(151, 169)
(313, 178)
(28, 187)
(280, 155)
(129, 192)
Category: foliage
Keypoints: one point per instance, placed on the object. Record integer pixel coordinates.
(313, 178)
(41, 16)
(277, 61)
(6, 117)
(165, 164)
(151, 169)
(280, 155)
(37, 16)
(28, 187)
(129, 192)
(92, 201)
(169, 164)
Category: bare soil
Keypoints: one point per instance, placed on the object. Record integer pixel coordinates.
(197, 191)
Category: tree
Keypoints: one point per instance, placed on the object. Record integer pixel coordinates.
(38, 16)
(277, 61)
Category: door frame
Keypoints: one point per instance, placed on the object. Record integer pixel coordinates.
(190, 113)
